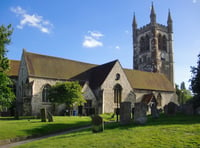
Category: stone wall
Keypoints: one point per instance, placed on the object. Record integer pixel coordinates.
(108, 87)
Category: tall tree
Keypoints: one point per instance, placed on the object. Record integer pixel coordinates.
(6, 93)
(183, 94)
(195, 82)
(183, 86)
(68, 93)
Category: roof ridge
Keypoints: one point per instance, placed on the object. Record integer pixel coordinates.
(60, 58)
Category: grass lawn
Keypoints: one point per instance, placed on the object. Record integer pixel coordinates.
(166, 132)
(10, 128)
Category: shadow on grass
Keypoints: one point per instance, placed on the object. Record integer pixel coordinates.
(53, 128)
(20, 118)
(162, 120)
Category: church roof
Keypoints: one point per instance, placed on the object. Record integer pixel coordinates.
(148, 80)
(99, 74)
(14, 68)
(53, 67)
(57, 68)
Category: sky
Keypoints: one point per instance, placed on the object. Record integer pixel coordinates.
(99, 31)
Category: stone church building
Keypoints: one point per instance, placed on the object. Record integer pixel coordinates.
(103, 86)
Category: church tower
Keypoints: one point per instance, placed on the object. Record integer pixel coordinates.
(152, 46)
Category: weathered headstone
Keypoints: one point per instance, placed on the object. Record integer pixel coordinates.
(125, 113)
(140, 113)
(154, 110)
(49, 116)
(97, 124)
(43, 114)
(171, 108)
(197, 111)
(188, 109)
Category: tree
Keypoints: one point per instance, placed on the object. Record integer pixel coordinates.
(68, 93)
(183, 86)
(195, 83)
(6, 94)
(183, 94)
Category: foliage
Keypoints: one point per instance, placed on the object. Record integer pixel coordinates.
(6, 93)
(166, 132)
(184, 95)
(195, 83)
(28, 126)
(67, 92)
(195, 80)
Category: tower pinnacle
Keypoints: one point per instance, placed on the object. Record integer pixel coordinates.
(134, 22)
(153, 15)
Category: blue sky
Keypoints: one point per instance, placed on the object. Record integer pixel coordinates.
(99, 31)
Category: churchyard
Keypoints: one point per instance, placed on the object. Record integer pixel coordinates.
(29, 126)
(166, 131)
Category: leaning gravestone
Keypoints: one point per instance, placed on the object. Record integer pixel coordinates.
(43, 114)
(154, 110)
(97, 124)
(171, 108)
(140, 113)
(197, 111)
(49, 116)
(125, 113)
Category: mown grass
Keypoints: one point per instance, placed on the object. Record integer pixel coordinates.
(26, 126)
(166, 132)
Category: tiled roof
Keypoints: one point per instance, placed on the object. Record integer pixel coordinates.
(14, 68)
(57, 68)
(99, 73)
(148, 80)
(53, 67)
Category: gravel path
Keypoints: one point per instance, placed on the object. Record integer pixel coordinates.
(43, 137)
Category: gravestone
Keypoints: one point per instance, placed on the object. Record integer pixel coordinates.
(125, 113)
(187, 109)
(140, 113)
(97, 124)
(43, 114)
(49, 116)
(171, 108)
(197, 111)
(154, 110)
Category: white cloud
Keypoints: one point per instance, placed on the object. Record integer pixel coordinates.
(194, 1)
(33, 20)
(91, 42)
(117, 47)
(95, 34)
(93, 39)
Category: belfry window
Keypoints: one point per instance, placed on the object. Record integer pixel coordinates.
(164, 41)
(117, 93)
(160, 42)
(45, 93)
(142, 44)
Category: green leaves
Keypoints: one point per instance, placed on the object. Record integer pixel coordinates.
(6, 93)
(67, 92)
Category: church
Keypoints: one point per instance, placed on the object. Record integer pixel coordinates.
(103, 86)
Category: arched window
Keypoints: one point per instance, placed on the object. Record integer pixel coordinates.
(159, 98)
(142, 44)
(164, 43)
(160, 42)
(117, 93)
(147, 43)
(45, 93)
